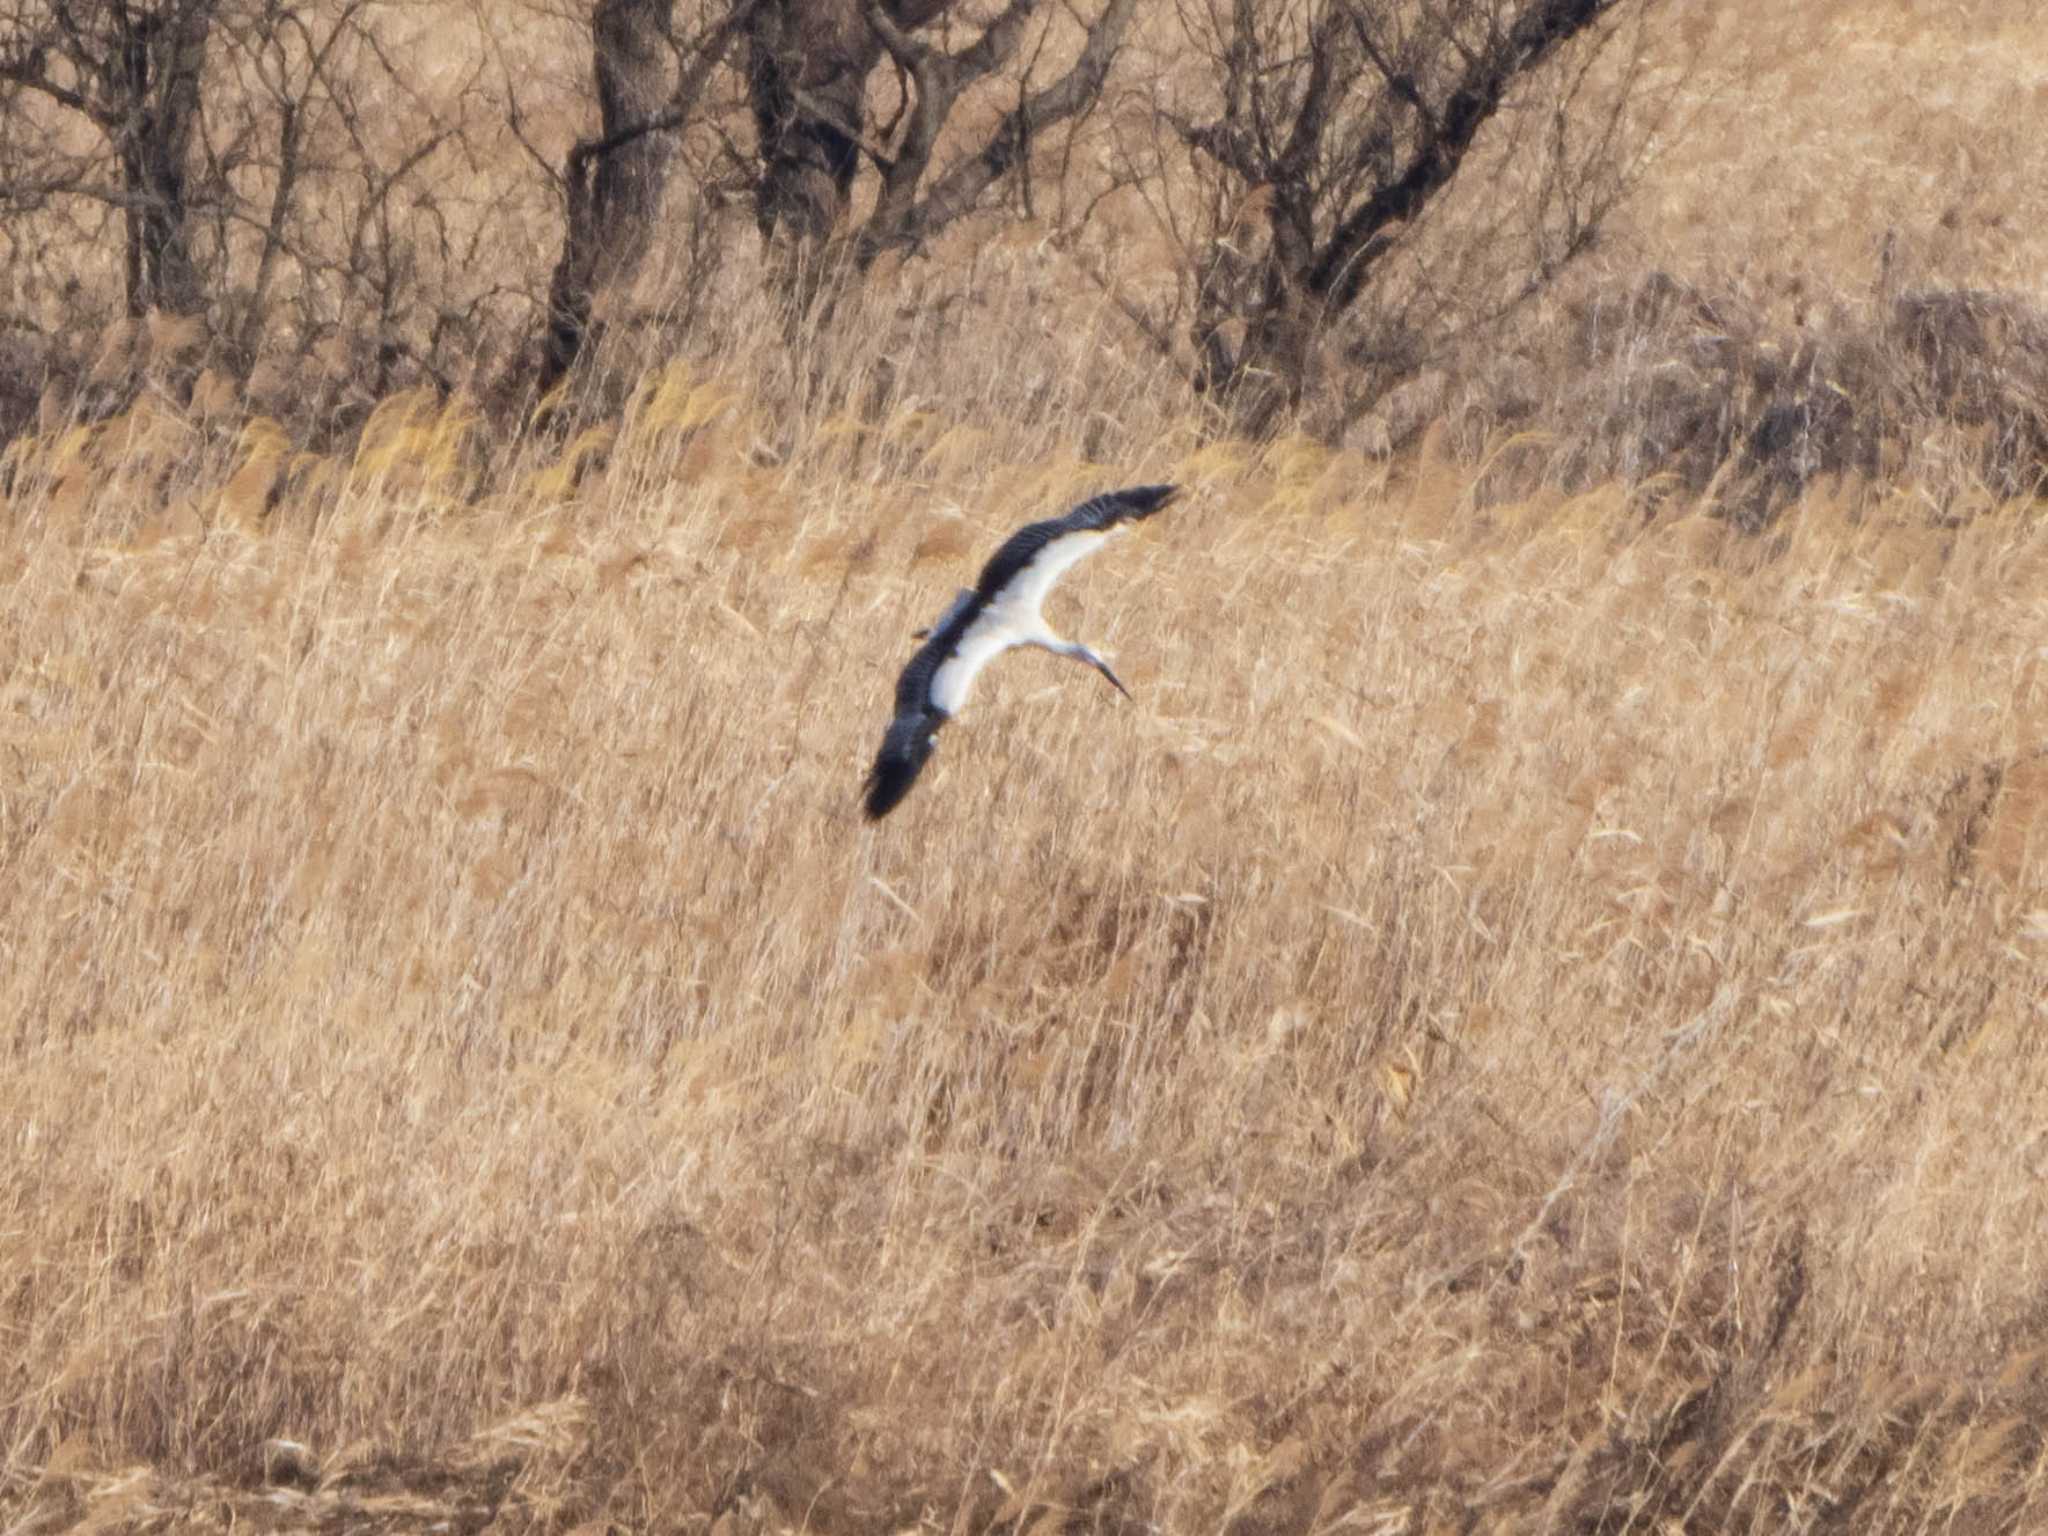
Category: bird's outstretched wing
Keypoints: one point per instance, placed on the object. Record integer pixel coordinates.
(1035, 555)
(978, 625)
(906, 747)
(907, 744)
(941, 643)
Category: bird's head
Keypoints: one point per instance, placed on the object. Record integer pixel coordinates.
(1083, 653)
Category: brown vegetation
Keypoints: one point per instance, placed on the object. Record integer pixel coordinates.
(1331, 126)
(1529, 1023)
(1325, 127)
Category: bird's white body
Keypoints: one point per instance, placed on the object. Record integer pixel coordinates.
(1013, 619)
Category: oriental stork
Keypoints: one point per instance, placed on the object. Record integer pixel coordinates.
(1001, 610)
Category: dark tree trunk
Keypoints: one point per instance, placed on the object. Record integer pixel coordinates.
(807, 68)
(614, 184)
(634, 86)
(155, 75)
(808, 63)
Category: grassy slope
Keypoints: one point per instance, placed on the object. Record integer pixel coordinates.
(1529, 1023)
(1819, 127)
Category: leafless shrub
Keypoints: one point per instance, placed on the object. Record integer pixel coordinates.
(1978, 359)
(264, 166)
(1664, 379)
(807, 78)
(25, 372)
(1331, 131)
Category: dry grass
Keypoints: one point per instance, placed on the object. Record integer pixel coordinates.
(1530, 1023)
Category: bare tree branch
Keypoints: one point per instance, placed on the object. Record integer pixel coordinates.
(1340, 121)
(901, 218)
(1339, 271)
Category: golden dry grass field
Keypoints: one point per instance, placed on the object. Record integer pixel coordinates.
(1531, 1021)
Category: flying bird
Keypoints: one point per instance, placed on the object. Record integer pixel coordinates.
(1001, 610)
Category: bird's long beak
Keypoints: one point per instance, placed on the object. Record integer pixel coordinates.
(1103, 667)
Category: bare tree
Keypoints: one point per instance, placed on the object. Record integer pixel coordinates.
(613, 185)
(807, 67)
(132, 70)
(808, 64)
(248, 154)
(1334, 124)
(327, 223)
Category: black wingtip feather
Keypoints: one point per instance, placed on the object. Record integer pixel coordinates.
(1144, 500)
(906, 748)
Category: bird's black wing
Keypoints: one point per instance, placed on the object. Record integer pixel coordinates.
(1100, 512)
(906, 748)
(907, 744)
